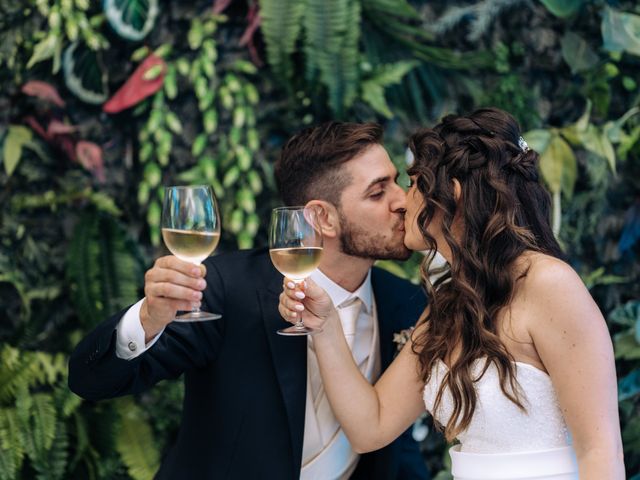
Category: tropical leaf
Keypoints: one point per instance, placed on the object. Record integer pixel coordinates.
(135, 442)
(578, 53)
(563, 8)
(49, 47)
(16, 138)
(103, 267)
(281, 22)
(395, 8)
(629, 386)
(558, 166)
(131, 19)
(44, 91)
(373, 88)
(538, 140)
(84, 74)
(621, 31)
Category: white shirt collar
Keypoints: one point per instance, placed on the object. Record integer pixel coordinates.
(340, 295)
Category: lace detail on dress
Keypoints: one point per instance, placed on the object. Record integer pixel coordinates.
(498, 425)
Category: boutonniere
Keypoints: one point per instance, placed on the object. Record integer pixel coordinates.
(401, 338)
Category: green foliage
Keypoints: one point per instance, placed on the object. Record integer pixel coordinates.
(32, 425)
(17, 137)
(620, 31)
(104, 267)
(563, 8)
(131, 19)
(84, 74)
(281, 23)
(566, 69)
(135, 442)
(332, 33)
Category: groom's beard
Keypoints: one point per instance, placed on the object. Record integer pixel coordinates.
(364, 243)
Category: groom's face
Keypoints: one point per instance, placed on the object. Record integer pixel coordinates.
(371, 209)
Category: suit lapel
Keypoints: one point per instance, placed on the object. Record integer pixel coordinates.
(388, 310)
(289, 356)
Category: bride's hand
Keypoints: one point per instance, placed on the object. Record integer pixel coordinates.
(307, 300)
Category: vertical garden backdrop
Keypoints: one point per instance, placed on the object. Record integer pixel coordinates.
(103, 103)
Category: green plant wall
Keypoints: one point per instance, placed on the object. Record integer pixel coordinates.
(103, 103)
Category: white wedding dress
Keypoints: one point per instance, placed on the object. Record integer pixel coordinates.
(502, 442)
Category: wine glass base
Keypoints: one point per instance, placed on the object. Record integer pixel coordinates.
(298, 331)
(197, 317)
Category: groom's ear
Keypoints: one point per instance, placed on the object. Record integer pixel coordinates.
(327, 216)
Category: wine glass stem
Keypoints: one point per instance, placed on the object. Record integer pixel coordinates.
(194, 307)
(299, 325)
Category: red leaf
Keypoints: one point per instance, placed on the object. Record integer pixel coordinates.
(43, 90)
(36, 127)
(65, 143)
(90, 157)
(254, 23)
(220, 6)
(137, 88)
(56, 127)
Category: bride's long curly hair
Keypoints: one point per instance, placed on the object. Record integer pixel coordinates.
(504, 211)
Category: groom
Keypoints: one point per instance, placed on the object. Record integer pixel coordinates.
(254, 404)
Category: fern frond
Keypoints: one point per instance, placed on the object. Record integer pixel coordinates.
(11, 445)
(52, 463)
(42, 422)
(66, 401)
(20, 369)
(103, 267)
(281, 22)
(135, 441)
(80, 440)
(332, 33)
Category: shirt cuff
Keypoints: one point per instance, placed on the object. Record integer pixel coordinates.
(130, 334)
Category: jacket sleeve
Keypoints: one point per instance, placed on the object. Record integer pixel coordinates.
(96, 372)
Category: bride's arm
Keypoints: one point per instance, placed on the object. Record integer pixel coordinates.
(573, 342)
(371, 416)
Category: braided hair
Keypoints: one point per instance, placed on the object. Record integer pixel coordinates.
(504, 212)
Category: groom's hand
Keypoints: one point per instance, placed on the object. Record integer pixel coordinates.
(170, 285)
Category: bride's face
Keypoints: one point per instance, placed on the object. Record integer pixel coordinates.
(413, 238)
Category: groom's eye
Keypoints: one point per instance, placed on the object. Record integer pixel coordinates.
(377, 195)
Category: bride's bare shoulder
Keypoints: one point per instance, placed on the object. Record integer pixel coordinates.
(541, 271)
(551, 286)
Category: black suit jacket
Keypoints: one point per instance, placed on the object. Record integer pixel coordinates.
(245, 386)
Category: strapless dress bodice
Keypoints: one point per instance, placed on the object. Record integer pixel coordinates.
(499, 425)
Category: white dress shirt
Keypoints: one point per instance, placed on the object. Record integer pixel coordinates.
(326, 452)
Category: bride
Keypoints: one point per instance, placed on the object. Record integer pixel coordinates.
(512, 357)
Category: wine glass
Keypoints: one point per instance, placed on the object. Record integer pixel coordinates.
(295, 247)
(191, 231)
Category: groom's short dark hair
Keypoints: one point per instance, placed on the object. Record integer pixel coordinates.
(310, 164)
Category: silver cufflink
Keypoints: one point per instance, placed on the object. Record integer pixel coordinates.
(132, 346)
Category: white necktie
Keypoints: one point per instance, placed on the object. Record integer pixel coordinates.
(349, 314)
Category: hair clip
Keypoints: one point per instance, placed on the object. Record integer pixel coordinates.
(523, 145)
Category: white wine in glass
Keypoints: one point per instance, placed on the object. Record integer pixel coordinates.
(191, 231)
(296, 263)
(295, 247)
